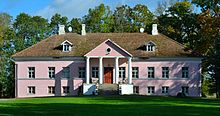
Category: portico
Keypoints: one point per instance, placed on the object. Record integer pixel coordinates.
(107, 58)
(105, 70)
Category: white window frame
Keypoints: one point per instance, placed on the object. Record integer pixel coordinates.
(51, 72)
(66, 89)
(150, 47)
(31, 90)
(51, 89)
(135, 72)
(151, 72)
(95, 72)
(66, 72)
(31, 72)
(151, 89)
(165, 89)
(122, 72)
(67, 46)
(185, 72)
(82, 72)
(165, 72)
(136, 89)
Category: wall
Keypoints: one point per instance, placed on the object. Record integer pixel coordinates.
(42, 81)
(175, 81)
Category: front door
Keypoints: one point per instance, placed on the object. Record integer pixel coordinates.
(108, 75)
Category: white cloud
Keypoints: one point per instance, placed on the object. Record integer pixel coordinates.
(69, 8)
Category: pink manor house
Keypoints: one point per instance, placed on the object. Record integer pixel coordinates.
(92, 63)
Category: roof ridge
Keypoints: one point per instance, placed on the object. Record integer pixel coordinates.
(14, 55)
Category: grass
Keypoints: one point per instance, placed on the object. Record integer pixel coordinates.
(110, 106)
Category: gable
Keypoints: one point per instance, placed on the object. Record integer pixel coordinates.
(108, 49)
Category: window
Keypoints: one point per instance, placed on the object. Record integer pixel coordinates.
(185, 72)
(82, 73)
(165, 90)
(51, 89)
(31, 90)
(66, 47)
(150, 72)
(31, 72)
(51, 72)
(165, 72)
(150, 47)
(66, 89)
(185, 89)
(66, 72)
(136, 89)
(150, 89)
(108, 50)
(134, 72)
(121, 72)
(95, 72)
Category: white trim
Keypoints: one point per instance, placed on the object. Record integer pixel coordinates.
(112, 43)
(100, 70)
(87, 70)
(65, 42)
(107, 56)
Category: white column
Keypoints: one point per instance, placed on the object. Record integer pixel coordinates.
(100, 70)
(87, 70)
(116, 70)
(129, 71)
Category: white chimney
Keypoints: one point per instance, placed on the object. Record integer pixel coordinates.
(83, 31)
(154, 29)
(61, 29)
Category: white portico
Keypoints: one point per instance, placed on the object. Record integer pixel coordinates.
(107, 57)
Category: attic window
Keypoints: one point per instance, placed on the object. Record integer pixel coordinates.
(67, 46)
(150, 47)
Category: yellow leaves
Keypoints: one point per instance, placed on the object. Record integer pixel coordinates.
(170, 29)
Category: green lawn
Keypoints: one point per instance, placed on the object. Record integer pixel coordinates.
(110, 106)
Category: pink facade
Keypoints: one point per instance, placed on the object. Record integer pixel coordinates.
(175, 82)
(42, 80)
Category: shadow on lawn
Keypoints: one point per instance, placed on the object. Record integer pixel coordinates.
(111, 106)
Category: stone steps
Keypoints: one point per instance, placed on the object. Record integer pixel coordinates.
(108, 89)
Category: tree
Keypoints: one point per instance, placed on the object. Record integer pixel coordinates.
(99, 19)
(57, 20)
(6, 50)
(163, 5)
(141, 17)
(209, 20)
(180, 23)
(5, 21)
(122, 19)
(76, 23)
(30, 30)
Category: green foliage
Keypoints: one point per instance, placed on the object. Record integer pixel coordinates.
(30, 30)
(57, 20)
(99, 19)
(141, 17)
(122, 19)
(180, 24)
(76, 23)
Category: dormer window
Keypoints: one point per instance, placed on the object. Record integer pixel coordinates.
(67, 46)
(150, 47)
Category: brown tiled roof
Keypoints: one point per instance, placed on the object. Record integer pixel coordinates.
(131, 42)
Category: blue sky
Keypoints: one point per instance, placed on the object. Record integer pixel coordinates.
(69, 8)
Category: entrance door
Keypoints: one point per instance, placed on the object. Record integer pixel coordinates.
(108, 75)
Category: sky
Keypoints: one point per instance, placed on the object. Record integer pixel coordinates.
(69, 8)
